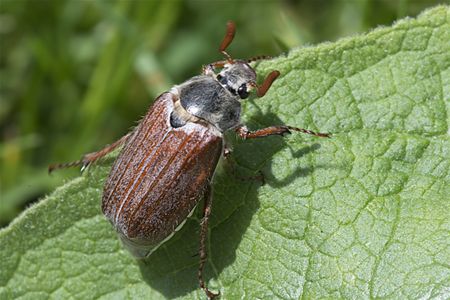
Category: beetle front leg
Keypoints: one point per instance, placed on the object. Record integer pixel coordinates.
(210, 69)
(244, 133)
(90, 157)
(203, 238)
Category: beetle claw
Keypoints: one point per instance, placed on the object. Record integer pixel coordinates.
(84, 166)
(210, 294)
(285, 133)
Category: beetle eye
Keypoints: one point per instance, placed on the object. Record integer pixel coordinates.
(221, 79)
(242, 91)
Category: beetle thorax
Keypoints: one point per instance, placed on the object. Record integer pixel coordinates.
(205, 98)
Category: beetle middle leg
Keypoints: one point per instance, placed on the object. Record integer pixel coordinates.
(230, 164)
(203, 238)
(227, 39)
(90, 157)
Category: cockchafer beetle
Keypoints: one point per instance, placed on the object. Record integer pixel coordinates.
(168, 161)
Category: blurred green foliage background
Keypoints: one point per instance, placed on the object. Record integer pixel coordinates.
(76, 75)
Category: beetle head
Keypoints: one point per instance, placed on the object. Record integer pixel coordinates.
(238, 77)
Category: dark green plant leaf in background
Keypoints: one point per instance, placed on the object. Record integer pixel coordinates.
(364, 214)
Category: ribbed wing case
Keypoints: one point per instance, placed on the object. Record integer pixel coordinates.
(159, 176)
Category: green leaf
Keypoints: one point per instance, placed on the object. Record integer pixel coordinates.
(364, 214)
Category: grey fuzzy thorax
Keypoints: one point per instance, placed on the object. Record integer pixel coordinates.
(204, 97)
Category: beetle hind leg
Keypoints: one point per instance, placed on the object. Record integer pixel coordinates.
(203, 237)
(230, 166)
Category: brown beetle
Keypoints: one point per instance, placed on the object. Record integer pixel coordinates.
(168, 161)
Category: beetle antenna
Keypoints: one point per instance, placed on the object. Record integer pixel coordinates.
(228, 38)
(259, 57)
(262, 89)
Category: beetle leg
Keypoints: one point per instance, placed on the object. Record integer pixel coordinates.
(90, 157)
(259, 57)
(209, 69)
(244, 133)
(226, 151)
(227, 39)
(230, 165)
(203, 238)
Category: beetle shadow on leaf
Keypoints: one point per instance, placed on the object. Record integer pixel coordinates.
(172, 269)
(257, 154)
(300, 171)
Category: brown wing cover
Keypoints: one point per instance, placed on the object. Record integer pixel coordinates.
(160, 175)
